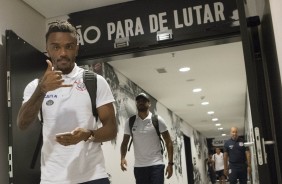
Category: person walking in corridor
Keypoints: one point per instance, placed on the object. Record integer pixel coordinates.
(219, 165)
(149, 165)
(238, 157)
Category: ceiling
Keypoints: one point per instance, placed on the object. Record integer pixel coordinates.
(218, 69)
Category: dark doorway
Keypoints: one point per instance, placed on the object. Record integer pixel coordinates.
(189, 164)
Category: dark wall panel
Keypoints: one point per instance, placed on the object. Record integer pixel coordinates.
(24, 63)
(270, 53)
(3, 116)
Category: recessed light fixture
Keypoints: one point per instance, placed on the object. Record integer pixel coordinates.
(197, 90)
(218, 124)
(210, 112)
(214, 119)
(184, 69)
(205, 103)
(223, 134)
(190, 80)
(220, 128)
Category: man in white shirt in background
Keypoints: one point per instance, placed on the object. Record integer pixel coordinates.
(219, 165)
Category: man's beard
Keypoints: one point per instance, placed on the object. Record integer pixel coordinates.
(142, 109)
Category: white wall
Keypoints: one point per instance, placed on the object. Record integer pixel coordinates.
(26, 22)
(275, 6)
(198, 146)
(29, 25)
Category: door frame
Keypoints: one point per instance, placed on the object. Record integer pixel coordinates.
(260, 97)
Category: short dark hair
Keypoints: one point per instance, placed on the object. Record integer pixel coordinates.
(60, 26)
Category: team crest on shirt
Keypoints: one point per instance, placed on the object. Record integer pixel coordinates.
(49, 102)
(241, 144)
(80, 86)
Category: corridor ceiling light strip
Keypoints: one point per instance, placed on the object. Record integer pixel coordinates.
(197, 90)
(184, 69)
(210, 112)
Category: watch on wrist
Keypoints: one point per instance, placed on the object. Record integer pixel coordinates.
(91, 138)
(170, 163)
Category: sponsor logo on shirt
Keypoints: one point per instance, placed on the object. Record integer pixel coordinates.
(51, 96)
(231, 146)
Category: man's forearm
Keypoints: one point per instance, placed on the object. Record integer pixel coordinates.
(106, 133)
(169, 148)
(123, 151)
(28, 113)
(225, 158)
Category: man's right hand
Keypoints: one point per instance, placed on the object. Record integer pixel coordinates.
(123, 164)
(51, 79)
(226, 172)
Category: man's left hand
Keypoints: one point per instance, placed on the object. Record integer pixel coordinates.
(74, 137)
(169, 171)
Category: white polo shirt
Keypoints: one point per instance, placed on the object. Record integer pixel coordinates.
(65, 109)
(146, 143)
(219, 161)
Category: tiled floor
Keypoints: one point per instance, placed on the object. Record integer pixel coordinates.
(217, 182)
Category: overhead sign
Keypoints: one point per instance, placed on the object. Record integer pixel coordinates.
(219, 141)
(136, 25)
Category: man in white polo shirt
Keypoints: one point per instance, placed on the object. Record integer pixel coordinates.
(71, 152)
(149, 165)
(219, 165)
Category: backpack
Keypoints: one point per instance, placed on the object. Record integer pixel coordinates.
(155, 122)
(90, 81)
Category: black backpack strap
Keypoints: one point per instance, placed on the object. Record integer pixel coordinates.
(39, 143)
(155, 122)
(131, 123)
(90, 81)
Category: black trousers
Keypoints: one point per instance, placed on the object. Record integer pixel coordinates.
(238, 172)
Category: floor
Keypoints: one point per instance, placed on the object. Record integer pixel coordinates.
(217, 182)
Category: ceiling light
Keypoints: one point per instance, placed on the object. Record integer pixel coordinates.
(223, 134)
(184, 69)
(220, 128)
(210, 112)
(196, 90)
(218, 124)
(205, 103)
(214, 119)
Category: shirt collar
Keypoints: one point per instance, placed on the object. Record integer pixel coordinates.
(148, 117)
